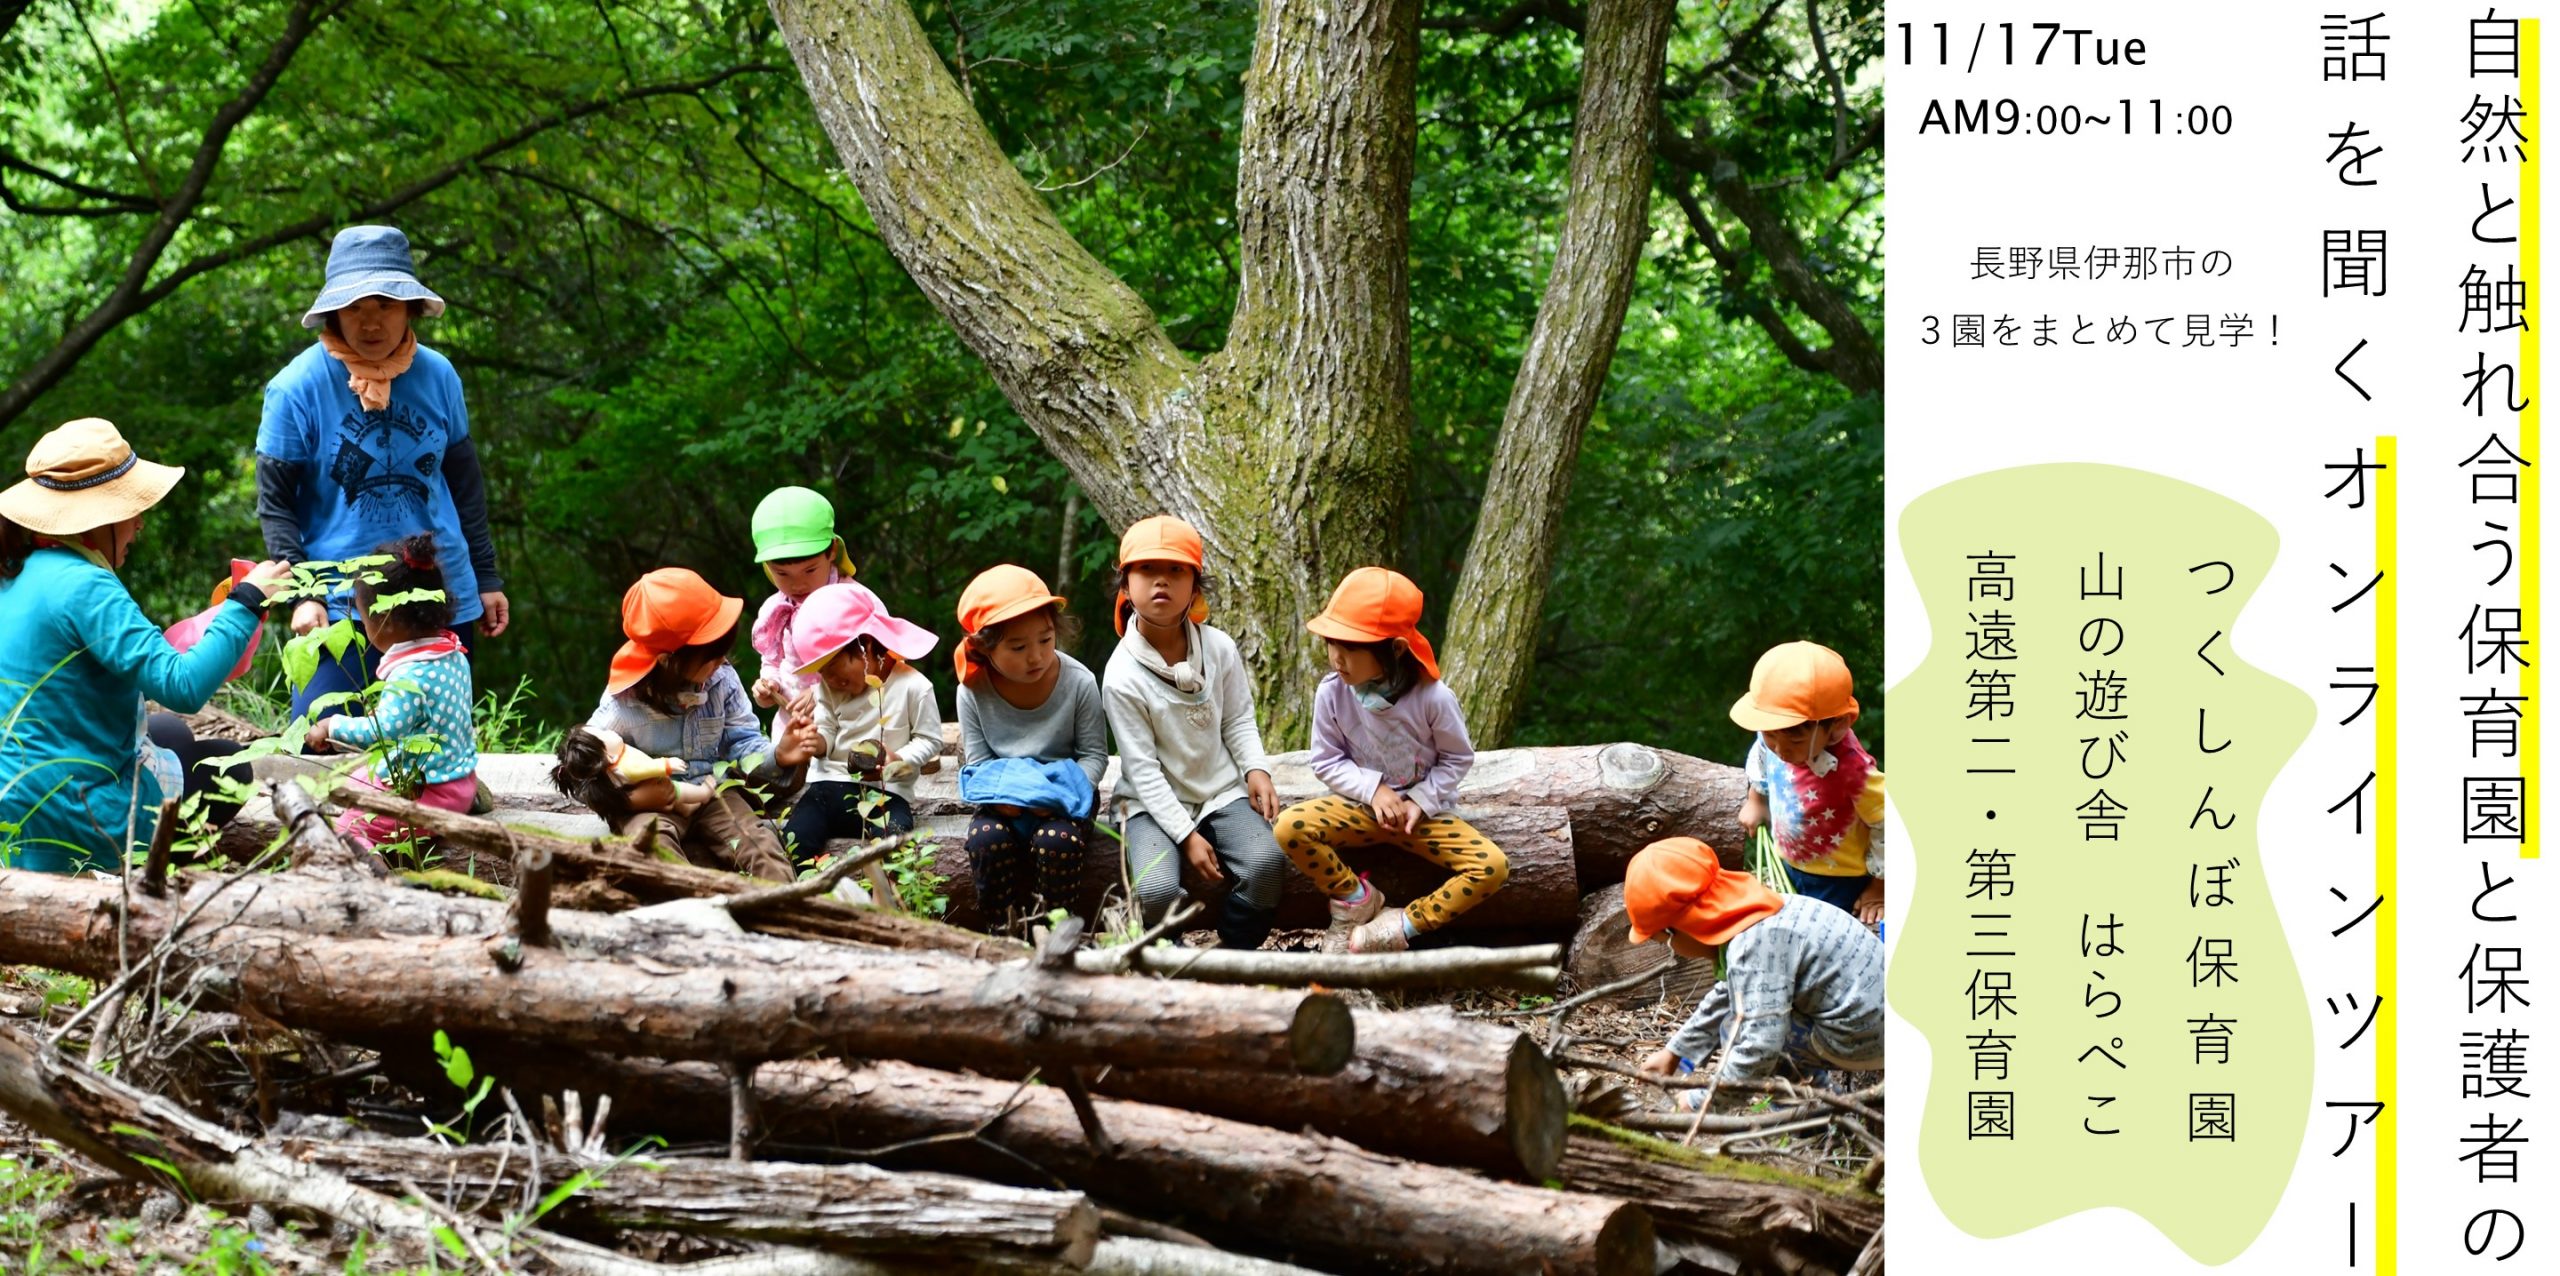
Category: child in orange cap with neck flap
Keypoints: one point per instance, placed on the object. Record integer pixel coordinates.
(1818, 791)
(1195, 787)
(1796, 978)
(1391, 743)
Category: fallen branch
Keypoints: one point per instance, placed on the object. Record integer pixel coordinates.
(652, 878)
(850, 1208)
(1530, 969)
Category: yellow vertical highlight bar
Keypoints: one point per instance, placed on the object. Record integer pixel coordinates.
(2386, 855)
(2529, 437)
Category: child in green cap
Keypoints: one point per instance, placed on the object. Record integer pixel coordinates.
(796, 541)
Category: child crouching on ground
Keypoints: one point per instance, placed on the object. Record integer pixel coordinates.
(671, 694)
(1391, 743)
(426, 694)
(1795, 977)
(875, 716)
(1191, 756)
(1033, 747)
(1811, 782)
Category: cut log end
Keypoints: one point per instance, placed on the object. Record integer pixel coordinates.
(1626, 1243)
(1320, 1035)
(1536, 1104)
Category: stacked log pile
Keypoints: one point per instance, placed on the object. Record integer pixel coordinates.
(840, 1089)
(1567, 818)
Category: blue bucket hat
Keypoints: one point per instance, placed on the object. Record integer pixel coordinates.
(369, 261)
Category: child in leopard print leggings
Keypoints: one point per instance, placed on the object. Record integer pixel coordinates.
(1392, 745)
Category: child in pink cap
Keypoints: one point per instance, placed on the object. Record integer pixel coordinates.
(876, 718)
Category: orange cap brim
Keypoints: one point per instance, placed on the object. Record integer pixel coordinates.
(1748, 715)
(632, 662)
(967, 667)
(1328, 625)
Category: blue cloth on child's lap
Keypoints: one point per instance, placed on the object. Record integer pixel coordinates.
(1058, 785)
(369, 478)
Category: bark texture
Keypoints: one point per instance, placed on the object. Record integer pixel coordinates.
(1286, 449)
(852, 1208)
(1316, 1199)
(1747, 1209)
(1424, 1084)
(1499, 611)
(933, 1009)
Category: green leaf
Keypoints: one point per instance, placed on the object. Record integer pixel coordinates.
(452, 1241)
(457, 1062)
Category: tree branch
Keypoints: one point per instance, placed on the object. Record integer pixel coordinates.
(1498, 612)
(132, 296)
(123, 201)
(1560, 12)
(1830, 73)
(1857, 358)
(1737, 282)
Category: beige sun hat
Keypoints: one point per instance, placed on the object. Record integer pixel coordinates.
(83, 475)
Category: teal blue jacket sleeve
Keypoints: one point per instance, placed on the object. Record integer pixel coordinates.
(111, 625)
(401, 713)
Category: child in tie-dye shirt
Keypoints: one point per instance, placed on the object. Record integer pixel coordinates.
(1812, 783)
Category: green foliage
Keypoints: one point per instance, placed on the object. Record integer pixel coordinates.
(663, 310)
(458, 1070)
(506, 723)
(920, 890)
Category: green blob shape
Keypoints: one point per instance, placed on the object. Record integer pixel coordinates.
(2210, 1198)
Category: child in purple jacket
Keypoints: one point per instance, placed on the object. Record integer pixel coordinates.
(1392, 745)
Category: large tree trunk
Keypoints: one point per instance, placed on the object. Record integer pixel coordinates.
(794, 1000)
(1264, 1190)
(1423, 1084)
(1287, 449)
(851, 1208)
(1500, 607)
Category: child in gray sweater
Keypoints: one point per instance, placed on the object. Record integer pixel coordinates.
(1021, 697)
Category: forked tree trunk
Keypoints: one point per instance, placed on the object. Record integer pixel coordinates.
(1287, 448)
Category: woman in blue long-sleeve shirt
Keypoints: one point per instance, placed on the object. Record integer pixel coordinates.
(79, 781)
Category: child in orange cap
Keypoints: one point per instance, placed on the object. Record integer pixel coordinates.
(1811, 781)
(671, 694)
(1391, 743)
(1191, 761)
(1021, 697)
(1795, 977)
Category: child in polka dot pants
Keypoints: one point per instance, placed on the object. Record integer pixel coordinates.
(1392, 745)
(425, 677)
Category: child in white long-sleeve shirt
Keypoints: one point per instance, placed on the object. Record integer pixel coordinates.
(1191, 756)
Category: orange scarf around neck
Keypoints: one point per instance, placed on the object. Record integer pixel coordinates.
(371, 378)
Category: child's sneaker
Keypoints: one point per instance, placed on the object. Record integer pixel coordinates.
(1352, 912)
(1381, 934)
